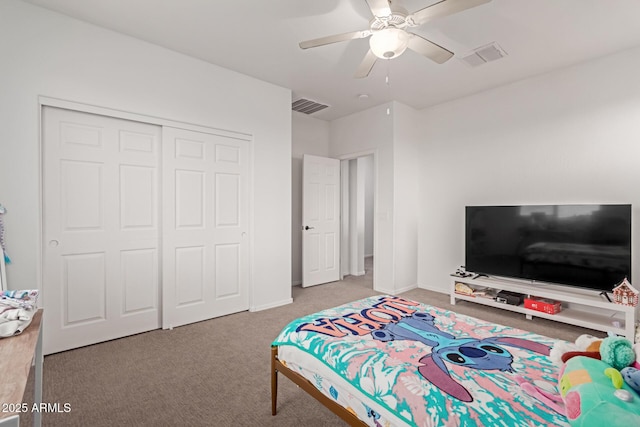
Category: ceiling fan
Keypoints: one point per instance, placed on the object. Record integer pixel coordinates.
(389, 35)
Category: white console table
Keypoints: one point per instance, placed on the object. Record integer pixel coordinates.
(580, 307)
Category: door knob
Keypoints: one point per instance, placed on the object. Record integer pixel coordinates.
(306, 227)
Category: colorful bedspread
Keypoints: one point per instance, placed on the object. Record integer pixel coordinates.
(425, 365)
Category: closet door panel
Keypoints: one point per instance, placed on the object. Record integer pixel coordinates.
(84, 288)
(206, 194)
(101, 233)
(190, 271)
(139, 278)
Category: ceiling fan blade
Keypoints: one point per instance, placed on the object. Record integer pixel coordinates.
(366, 65)
(429, 49)
(379, 7)
(335, 39)
(442, 8)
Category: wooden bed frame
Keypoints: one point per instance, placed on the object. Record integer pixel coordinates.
(302, 382)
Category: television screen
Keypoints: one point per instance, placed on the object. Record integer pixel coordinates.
(579, 245)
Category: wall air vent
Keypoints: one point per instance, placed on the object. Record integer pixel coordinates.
(307, 106)
(484, 54)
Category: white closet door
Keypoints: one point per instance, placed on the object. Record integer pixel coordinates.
(101, 228)
(205, 217)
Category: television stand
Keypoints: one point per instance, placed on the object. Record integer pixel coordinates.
(580, 307)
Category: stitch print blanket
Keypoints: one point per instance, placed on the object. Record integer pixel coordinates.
(414, 364)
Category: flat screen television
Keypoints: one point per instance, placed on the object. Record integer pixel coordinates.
(579, 245)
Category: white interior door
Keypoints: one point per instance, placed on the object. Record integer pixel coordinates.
(101, 228)
(206, 225)
(320, 220)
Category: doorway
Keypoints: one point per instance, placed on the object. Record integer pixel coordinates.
(357, 224)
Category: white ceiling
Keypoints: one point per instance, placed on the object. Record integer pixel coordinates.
(260, 38)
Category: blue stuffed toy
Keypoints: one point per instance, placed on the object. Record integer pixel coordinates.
(631, 376)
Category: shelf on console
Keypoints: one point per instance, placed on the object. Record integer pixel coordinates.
(625, 316)
(581, 318)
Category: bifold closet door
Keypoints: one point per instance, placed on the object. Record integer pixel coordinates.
(101, 228)
(205, 226)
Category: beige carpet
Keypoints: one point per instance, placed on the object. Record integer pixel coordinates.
(215, 373)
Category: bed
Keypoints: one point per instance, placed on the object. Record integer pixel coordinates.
(386, 360)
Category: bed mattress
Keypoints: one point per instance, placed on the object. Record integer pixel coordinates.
(397, 362)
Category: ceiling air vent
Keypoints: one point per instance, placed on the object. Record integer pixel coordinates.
(307, 106)
(484, 54)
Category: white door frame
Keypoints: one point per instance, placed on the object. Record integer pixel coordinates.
(45, 101)
(344, 218)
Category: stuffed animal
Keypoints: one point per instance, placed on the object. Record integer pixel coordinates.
(617, 352)
(585, 345)
(631, 376)
(622, 355)
(594, 394)
(636, 348)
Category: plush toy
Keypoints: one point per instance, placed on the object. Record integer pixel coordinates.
(593, 391)
(591, 350)
(631, 376)
(585, 345)
(594, 394)
(617, 352)
(636, 348)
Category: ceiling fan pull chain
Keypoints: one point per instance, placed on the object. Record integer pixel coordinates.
(386, 79)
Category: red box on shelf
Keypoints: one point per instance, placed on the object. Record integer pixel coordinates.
(543, 304)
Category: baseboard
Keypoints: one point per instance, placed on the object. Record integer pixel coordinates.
(272, 305)
(385, 291)
(407, 288)
(396, 291)
(438, 290)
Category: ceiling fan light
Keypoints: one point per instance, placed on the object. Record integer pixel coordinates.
(389, 43)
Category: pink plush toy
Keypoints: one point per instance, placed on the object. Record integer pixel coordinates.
(636, 348)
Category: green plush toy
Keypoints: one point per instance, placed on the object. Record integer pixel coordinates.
(617, 352)
(595, 395)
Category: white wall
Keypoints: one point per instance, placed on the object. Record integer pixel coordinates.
(309, 136)
(407, 138)
(44, 53)
(571, 136)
